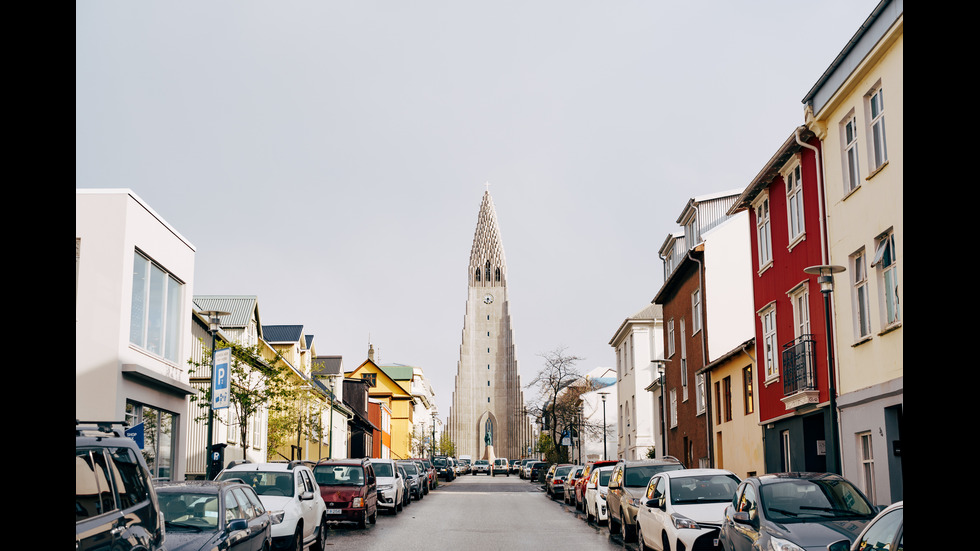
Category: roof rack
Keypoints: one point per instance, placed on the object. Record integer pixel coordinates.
(238, 462)
(100, 427)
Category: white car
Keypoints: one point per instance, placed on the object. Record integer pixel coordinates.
(391, 485)
(481, 466)
(291, 495)
(684, 506)
(595, 494)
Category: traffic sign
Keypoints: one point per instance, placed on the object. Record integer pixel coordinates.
(220, 380)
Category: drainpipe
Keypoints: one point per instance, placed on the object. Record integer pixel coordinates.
(820, 194)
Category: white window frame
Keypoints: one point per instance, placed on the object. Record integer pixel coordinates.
(799, 297)
(850, 157)
(866, 474)
(156, 311)
(770, 344)
(696, 311)
(683, 361)
(877, 146)
(763, 230)
(673, 408)
(670, 338)
(886, 264)
(860, 298)
(793, 179)
(700, 400)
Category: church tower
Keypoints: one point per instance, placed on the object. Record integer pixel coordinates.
(488, 404)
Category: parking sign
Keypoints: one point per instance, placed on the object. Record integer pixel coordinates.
(220, 383)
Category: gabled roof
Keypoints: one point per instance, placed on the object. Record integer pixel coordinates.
(282, 333)
(398, 372)
(328, 365)
(649, 313)
(771, 169)
(240, 308)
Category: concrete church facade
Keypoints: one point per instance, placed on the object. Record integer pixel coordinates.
(487, 417)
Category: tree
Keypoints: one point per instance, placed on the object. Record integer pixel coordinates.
(418, 441)
(256, 383)
(446, 446)
(560, 386)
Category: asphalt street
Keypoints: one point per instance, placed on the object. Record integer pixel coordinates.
(479, 513)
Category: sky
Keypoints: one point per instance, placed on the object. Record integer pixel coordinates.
(330, 157)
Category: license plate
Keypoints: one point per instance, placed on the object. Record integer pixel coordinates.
(334, 511)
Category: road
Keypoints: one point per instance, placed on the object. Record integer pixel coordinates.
(479, 513)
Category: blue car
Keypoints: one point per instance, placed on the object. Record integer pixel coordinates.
(206, 516)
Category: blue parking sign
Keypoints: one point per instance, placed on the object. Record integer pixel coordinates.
(220, 379)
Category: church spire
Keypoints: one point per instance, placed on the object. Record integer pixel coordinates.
(487, 263)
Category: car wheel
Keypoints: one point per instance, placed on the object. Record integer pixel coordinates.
(588, 513)
(362, 522)
(298, 539)
(374, 517)
(625, 529)
(321, 538)
(613, 524)
(666, 543)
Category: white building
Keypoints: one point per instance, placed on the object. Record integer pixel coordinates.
(591, 446)
(134, 277)
(637, 342)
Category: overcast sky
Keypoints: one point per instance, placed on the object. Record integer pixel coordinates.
(330, 157)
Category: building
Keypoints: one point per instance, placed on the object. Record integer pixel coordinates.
(134, 279)
(707, 266)
(856, 111)
(412, 379)
(599, 387)
(638, 341)
(736, 434)
(360, 439)
(487, 402)
(398, 402)
(328, 375)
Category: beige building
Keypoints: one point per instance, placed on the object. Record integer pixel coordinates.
(856, 109)
(736, 434)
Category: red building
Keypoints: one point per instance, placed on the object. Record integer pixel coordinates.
(788, 236)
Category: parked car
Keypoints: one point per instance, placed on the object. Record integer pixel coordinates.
(431, 471)
(539, 471)
(580, 483)
(349, 489)
(626, 486)
(596, 488)
(444, 467)
(522, 470)
(556, 482)
(466, 464)
(481, 466)
(115, 503)
(292, 497)
(500, 466)
(204, 515)
(407, 483)
(423, 474)
(515, 466)
(684, 509)
(416, 479)
(795, 510)
(391, 486)
(884, 532)
(569, 488)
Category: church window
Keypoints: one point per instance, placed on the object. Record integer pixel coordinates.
(488, 270)
(478, 274)
(498, 274)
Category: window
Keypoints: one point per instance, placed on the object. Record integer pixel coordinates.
(727, 396)
(768, 318)
(155, 309)
(692, 235)
(800, 297)
(876, 106)
(683, 362)
(717, 403)
(477, 274)
(371, 378)
(867, 460)
(784, 446)
(159, 437)
(497, 274)
(747, 396)
(794, 202)
(859, 296)
(670, 337)
(763, 232)
(886, 264)
(673, 408)
(849, 138)
(700, 399)
(696, 311)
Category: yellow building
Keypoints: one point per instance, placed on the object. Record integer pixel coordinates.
(394, 394)
(736, 434)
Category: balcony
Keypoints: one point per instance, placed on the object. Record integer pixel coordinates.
(799, 373)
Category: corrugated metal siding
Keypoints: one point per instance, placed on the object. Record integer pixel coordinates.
(240, 308)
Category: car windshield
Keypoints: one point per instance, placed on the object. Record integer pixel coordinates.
(702, 489)
(639, 475)
(805, 500)
(439, 462)
(339, 475)
(410, 468)
(265, 483)
(482, 462)
(189, 510)
(562, 471)
(383, 470)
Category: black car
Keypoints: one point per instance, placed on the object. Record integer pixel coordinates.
(214, 516)
(444, 467)
(808, 510)
(115, 504)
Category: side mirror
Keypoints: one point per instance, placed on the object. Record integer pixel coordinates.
(237, 525)
(743, 517)
(306, 495)
(613, 485)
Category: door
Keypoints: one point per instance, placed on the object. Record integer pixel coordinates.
(743, 536)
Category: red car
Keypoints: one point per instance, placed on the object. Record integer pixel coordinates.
(349, 489)
(580, 483)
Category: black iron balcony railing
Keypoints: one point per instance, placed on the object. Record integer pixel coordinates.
(799, 365)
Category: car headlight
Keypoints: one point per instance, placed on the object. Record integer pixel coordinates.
(602, 495)
(277, 516)
(357, 502)
(680, 522)
(776, 544)
(634, 501)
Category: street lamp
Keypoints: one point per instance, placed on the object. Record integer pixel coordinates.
(605, 454)
(214, 324)
(825, 278)
(330, 429)
(432, 446)
(661, 369)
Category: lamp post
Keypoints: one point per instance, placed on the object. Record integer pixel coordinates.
(432, 446)
(605, 454)
(214, 324)
(825, 278)
(330, 429)
(661, 368)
